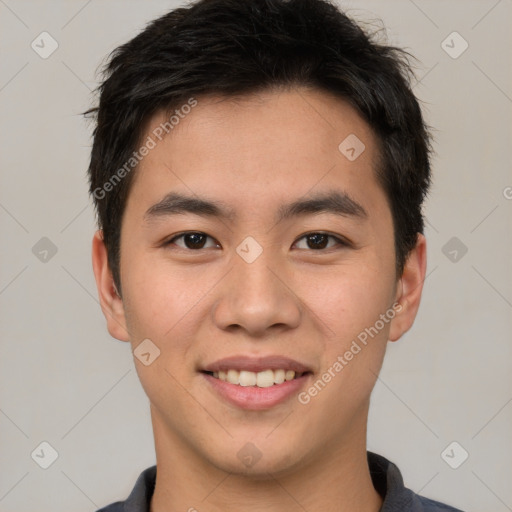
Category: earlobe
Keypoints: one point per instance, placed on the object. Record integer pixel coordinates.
(409, 289)
(110, 300)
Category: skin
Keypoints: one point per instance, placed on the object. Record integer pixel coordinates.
(199, 305)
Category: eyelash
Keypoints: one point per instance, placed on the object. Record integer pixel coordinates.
(339, 241)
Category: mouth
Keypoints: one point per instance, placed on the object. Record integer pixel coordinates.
(256, 383)
(263, 379)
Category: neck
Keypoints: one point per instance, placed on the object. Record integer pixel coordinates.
(337, 480)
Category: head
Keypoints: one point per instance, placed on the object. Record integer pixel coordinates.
(241, 109)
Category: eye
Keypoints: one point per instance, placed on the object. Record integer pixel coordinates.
(318, 241)
(191, 240)
(195, 240)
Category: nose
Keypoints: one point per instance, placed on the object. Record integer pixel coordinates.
(256, 297)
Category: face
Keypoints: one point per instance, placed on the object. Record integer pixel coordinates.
(251, 244)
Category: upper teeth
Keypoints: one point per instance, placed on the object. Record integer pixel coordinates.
(262, 379)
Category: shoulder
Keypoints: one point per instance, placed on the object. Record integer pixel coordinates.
(408, 501)
(140, 498)
(429, 505)
(389, 483)
(118, 506)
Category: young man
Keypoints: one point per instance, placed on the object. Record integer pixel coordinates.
(258, 170)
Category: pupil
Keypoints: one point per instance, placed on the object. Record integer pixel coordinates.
(196, 240)
(318, 239)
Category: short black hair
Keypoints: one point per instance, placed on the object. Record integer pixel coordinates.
(240, 47)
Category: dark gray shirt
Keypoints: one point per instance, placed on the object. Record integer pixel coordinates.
(386, 478)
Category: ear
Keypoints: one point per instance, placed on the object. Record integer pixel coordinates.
(409, 289)
(111, 304)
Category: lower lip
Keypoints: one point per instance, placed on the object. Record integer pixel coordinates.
(253, 397)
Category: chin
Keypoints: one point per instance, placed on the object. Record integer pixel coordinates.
(258, 464)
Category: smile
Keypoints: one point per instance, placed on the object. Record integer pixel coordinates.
(256, 382)
(263, 379)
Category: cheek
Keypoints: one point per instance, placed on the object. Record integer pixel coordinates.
(349, 306)
(159, 297)
(159, 306)
(348, 299)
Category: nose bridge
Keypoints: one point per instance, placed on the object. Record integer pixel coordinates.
(254, 297)
(257, 280)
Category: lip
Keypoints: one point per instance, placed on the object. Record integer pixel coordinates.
(255, 398)
(256, 364)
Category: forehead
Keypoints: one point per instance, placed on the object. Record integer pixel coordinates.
(252, 149)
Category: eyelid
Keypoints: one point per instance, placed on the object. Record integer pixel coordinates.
(176, 236)
(340, 240)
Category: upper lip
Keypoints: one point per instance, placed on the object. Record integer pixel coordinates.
(256, 364)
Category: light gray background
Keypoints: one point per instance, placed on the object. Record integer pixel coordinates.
(65, 381)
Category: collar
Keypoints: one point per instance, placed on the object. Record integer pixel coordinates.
(386, 478)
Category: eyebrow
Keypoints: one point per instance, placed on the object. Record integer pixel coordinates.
(335, 202)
